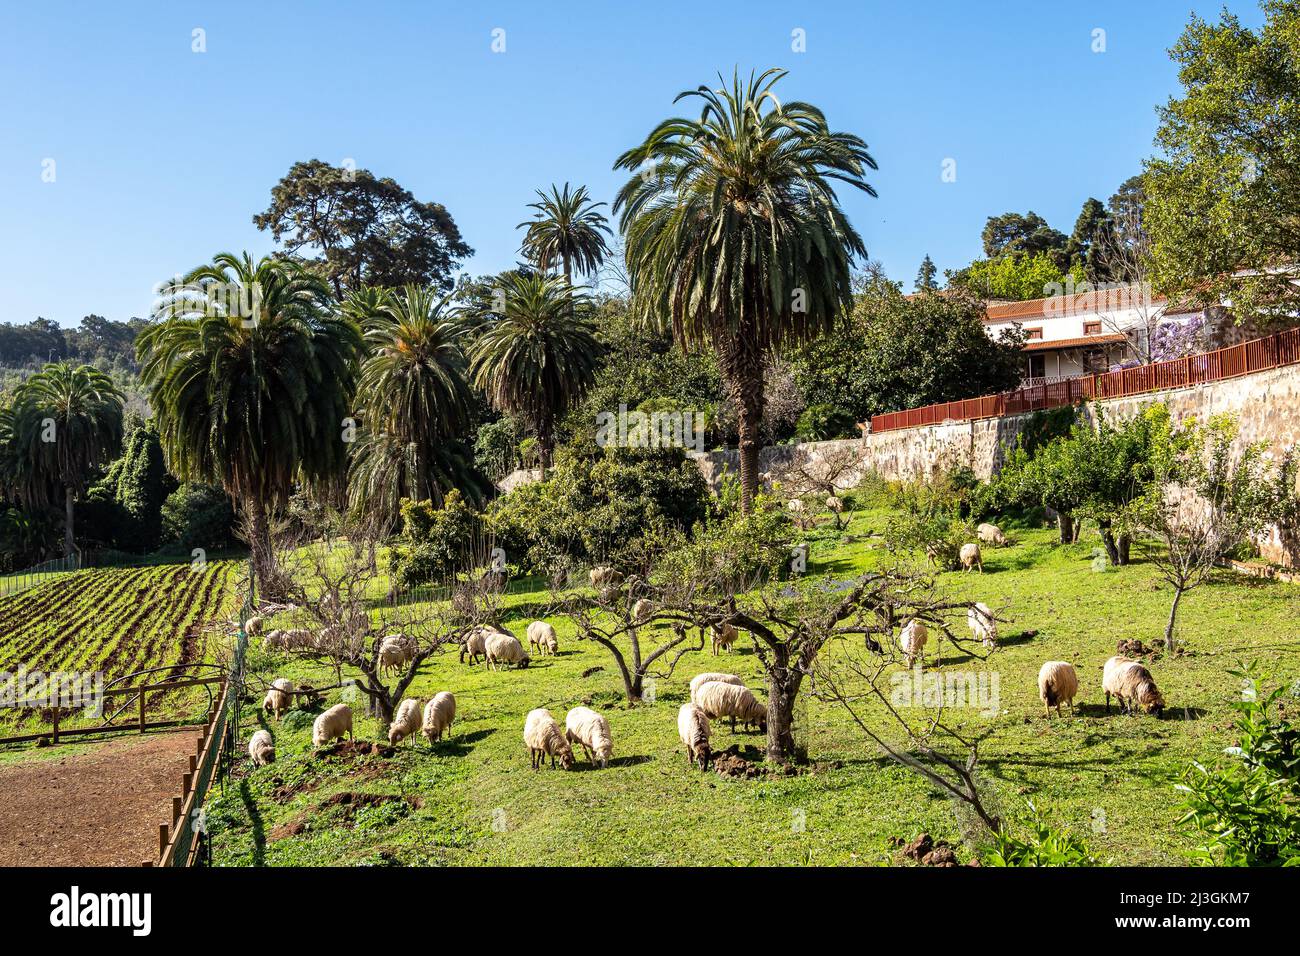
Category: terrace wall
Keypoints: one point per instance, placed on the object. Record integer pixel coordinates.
(1266, 403)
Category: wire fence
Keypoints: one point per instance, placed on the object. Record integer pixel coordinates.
(42, 573)
(1257, 355)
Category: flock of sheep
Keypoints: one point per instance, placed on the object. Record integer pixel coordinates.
(713, 695)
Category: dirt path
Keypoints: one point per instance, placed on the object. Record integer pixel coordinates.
(100, 806)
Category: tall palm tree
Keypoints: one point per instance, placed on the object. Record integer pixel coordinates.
(414, 396)
(538, 355)
(566, 230)
(66, 423)
(251, 374)
(734, 233)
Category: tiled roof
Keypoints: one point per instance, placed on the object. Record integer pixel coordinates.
(1086, 341)
(1102, 300)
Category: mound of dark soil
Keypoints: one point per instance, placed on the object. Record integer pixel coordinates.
(1134, 648)
(927, 851)
(355, 748)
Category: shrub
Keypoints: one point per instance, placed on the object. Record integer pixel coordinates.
(198, 516)
(437, 543)
(1247, 810)
(1042, 845)
(734, 551)
(823, 421)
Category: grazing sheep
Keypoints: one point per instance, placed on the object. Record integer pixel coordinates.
(1057, 682)
(475, 644)
(261, 749)
(693, 728)
(279, 698)
(707, 676)
(253, 626)
(724, 635)
(542, 636)
(991, 534)
(932, 554)
(604, 576)
(331, 725)
(1132, 684)
(504, 649)
(983, 625)
(970, 557)
(584, 726)
(289, 640)
(717, 699)
(395, 651)
(795, 506)
(543, 738)
(642, 610)
(438, 715)
(835, 504)
(912, 640)
(405, 722)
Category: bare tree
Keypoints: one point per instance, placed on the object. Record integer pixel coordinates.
(1125, 254)
(818, 475)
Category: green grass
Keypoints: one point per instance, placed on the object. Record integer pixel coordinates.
(1109, 778)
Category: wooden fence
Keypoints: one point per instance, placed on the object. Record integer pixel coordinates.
(1257, 355)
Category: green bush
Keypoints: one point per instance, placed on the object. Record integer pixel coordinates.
(436, 542)
(1247, 809)
(735, 550)
(1042, 845)
(823, 422)
(198, 516)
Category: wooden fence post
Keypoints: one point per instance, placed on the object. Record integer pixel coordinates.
(142, 696)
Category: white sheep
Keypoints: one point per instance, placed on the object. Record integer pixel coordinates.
(584, 726)
(724, 635)
(438, 715)
(835, 504)
(642, 610)
(505, 649)
(1133, 684)
(795, 506)
(1057, 682)
(541, 635)
(970, 557)
(983, 625)
(279, 698)
(406, 721)
(543, 738)
(253, 626)
(395, 652)
(693, 728)
(707, 676)
(261, 749)
(603, 576)
(717, 699)
(331, 725)
(912, 640)
(991, 534)
(475, 644)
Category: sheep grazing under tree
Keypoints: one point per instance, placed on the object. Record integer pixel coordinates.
(584, 726)
(438, 715)
(693, 728)
(603, 577)
(991, 534)
(970, 557)
(717, 699)
(332, 725)
(983, 624)
(724, 635)
(541, 635)
(544, 738)
(1058, 682)
(406, 722)
(279, 698)
(642, 610)
(912, 640)
(505, 649)
(261, 749)
(395, 651)
(253, 626)
(700, 679)
(1133, 684)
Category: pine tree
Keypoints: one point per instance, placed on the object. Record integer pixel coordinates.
(926, 280)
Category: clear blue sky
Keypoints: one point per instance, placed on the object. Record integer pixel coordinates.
(163, 155)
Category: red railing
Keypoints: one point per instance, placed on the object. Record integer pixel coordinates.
(1257, 355)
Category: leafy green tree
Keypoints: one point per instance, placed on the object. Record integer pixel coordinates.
(1015, 277)
(198, 516)
(356, 230)
(66, 424)
(1013, 234)
(901, 352)
(734, 234)
(252, 399)
(567, 231)
(538, 352)
(926, 276)
(436, 541)
(132, 492)
(1222, 201)
(1087, 244)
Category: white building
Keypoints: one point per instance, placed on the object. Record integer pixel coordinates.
(1085, 332)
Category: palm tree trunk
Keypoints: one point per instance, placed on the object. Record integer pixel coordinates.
(259, 544)
(741, 363)
(69, 540)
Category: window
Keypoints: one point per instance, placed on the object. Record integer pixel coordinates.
(1037, 366)
(1092, 328)
(1035, 332)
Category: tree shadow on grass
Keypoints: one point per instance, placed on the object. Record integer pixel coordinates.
(461, 744)
(255, 822)
(582, 765)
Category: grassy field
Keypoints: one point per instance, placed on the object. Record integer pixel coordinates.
(474, 800)
(113, 620)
